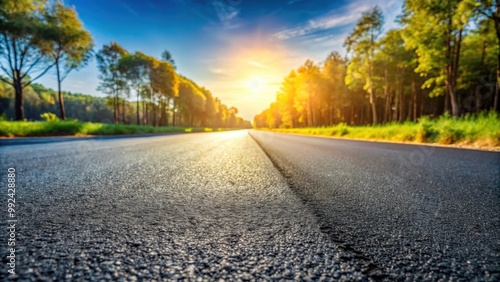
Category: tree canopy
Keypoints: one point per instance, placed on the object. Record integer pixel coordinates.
(39, 35)
(443, 58)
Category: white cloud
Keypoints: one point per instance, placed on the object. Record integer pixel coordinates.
(348, 15)
(257, 64)
(218, 71)
(226, 13)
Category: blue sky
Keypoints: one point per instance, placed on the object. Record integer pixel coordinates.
(238, 49)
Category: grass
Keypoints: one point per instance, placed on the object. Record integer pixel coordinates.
(60, 128)
(480, 131)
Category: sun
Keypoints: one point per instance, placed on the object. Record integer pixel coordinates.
(255, 84)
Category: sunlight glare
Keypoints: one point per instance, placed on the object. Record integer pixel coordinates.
(255, 84)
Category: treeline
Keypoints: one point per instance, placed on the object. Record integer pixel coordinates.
(163, 97)
(40, 36)
(39, 100)
(444, 58)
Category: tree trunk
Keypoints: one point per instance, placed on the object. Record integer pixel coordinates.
(401, 104)
(496, 19)
(446, 103)
(59, 92)
(137, 111)
(118, 111)
(162, 113)
(495, 100)
(453, 59)
(422, 107)
(453, 101)
(115, 108)
(154, 114)
(166, 111)
(310, 121)
(373, 106)
(19, 98)
(415, 102)
(396, 105)
(476, 90)
(124, 104)
(144, 112)
(408, 114)
(173, 113)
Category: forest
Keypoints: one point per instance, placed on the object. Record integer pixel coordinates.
(443, 59)
(39, 37)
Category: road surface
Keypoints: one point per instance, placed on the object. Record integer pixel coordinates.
(258, 206)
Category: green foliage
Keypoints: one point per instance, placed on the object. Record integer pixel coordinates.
(49, 117)
(477, 130)
(435, 30)
(362, 42)
(426, 131)
(59, 128)
(161, 93)
(39, 100)
(68, 44)
(444, 57)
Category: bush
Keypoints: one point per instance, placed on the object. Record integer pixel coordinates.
(49, 117)
(478, 130)
(426, 131)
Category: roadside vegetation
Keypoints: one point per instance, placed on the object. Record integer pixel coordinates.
(76, 128)
(480, 131)
(392, 81)
(41, 37)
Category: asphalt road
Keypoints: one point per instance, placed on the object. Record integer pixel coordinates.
(215, 206)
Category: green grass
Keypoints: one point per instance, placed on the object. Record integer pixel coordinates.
(481, 130)
(59, 128)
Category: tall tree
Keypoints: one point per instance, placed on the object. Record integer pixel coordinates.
(362, 44)
(210, 107)
(167, 57)
(136, 67)
(72, 44)
(334, 71)
(23, 47)
(490, 10)
(435, 29)
(309, 92)
(396, 63)
(164, 82)
(191, 101)
(108, 59)
(286, 100)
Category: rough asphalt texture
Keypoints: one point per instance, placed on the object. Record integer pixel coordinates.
(411, 212)
(214, 206)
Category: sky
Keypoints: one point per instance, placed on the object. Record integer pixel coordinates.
(238, 49)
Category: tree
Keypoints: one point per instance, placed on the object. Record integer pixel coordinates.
(334, 71)
(477, 73)
(191, 101)
(136, 67)
(490, 10)
(286, 99)
(210, 107)
(167, 57)
(72, 44)
(309, 89)
(164, 82)
(362, 42)
(396, 64)
(435, 29)
(23, 47)
(108, 59)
